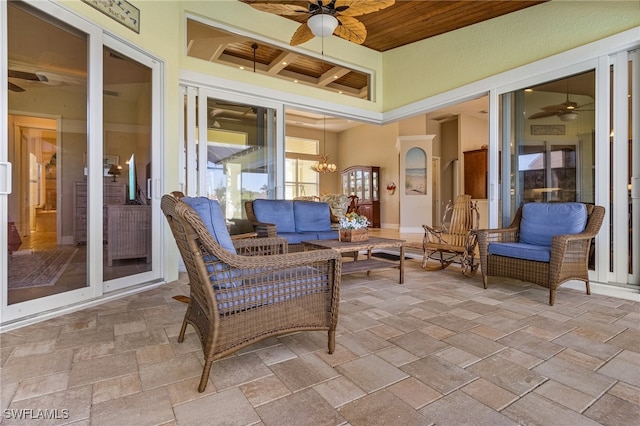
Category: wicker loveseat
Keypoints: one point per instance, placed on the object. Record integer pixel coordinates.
(546, 244)
(294, 220)
(247, 290)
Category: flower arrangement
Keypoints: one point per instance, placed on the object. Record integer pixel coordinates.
(353, 221)
(391, 186)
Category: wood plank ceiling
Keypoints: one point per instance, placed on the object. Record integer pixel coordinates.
(406, 22)
(402, 23)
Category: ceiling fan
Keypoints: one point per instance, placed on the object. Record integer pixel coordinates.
(566, 111)
(22, 75)
(216, 114)
(328, 17)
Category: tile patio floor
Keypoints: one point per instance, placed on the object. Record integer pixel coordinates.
(437, 350)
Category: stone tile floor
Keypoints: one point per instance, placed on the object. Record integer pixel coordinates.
(439, 349)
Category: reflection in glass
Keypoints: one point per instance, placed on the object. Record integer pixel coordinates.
(47, 80)
(127, 129)
(551, 141)
(240, 152)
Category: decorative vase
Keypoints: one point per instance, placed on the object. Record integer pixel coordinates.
(353, 235)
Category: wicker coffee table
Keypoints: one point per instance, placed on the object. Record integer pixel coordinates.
(368, 264)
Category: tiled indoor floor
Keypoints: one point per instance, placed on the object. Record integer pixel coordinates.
(437, 350)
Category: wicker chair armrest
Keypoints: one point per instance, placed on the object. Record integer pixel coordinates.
(570, 247)
(264, 229)
(502, 235)
(261, 246)
(280, 261)
(236, 237)
(432, 234)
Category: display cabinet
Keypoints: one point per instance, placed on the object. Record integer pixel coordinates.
(364, 182)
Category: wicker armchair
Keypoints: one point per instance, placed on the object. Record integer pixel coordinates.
(259, 290)
(568, 259)
(456, 241)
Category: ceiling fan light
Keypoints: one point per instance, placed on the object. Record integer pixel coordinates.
(322, 25)
(568, 116)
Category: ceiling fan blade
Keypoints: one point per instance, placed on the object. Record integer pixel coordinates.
(351, 29)
(543, 114)
(360, 7)
(579, 108)
(569, 104)
(15, 88)
(554, 108)
(215, 111)
(302, 34)
(279, 9)
(27, 75)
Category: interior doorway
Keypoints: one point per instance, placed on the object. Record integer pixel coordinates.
(39, 264)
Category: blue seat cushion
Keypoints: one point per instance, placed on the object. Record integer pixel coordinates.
(297, 237)
(521, 251)
(311, 216)
(273, 288)
(541, 221)
(327, 235)
(278, 212)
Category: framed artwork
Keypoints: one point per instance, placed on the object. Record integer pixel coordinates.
(548, 129)
(415, 173)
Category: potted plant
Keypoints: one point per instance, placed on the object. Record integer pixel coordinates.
(353, 227)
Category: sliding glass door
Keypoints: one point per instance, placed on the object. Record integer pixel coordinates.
(79, 162)
(576, 139)
(47, 141)
(232, 144)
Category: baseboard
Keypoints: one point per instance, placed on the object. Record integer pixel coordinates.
(606, 290)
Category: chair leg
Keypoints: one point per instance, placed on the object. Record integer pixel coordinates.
(204, 379)
(332, 341)
(182, 330)
(484, 281)
(588, 287)
(552, 296)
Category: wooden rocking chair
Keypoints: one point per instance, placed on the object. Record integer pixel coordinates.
(456, 241)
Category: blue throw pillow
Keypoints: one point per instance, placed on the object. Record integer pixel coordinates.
(541, 221)
(211, 214)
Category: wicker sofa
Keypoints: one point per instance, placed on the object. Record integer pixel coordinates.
(546, 244)
(294, 220)
(246, 290)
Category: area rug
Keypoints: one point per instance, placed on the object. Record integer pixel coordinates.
(39, 268)
(412, 245)
(388, 256)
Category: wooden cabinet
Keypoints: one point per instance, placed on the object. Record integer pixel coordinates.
(364, 181)
(475, 173)
(113, 193)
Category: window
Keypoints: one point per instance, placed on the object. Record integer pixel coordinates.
(300, 155)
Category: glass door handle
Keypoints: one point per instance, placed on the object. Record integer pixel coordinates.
(5, 182)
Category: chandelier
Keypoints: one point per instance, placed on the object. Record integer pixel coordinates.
(324, 166)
